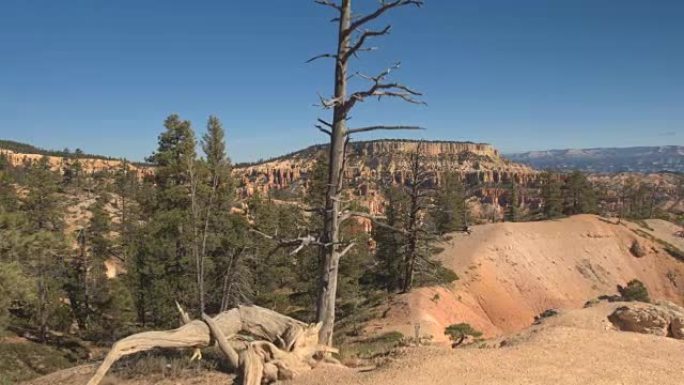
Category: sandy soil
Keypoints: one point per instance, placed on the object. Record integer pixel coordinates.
(579, 347)
(511, 272)
(666, 231)
(576, 347)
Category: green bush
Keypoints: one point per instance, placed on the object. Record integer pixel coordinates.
(634, 291)
(457, 333)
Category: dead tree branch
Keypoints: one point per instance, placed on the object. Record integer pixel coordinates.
(377, 128)
(284, 346)
(329, 4)
(384, 7)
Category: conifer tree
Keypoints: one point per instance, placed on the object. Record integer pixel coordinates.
(390, 243)
(513, 208)
(551, 195)
(450, 210)
(579, 195)
(42, 204)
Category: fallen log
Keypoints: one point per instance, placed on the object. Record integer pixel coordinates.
(284, 347)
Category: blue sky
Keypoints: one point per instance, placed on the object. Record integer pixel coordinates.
(522, 75)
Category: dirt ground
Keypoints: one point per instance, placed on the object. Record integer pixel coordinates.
(576, 347)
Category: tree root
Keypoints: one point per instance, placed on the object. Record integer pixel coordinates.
(286, 346)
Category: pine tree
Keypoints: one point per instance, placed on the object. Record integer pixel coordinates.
(42, 204)
(163, 262)
(390, 242)
(9, 200)
(579, 195)
(125, 187)
(513, 208)
(417, 232)
(551, 195)
(450, 210)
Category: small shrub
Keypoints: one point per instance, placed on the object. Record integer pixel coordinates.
(389, 337)
(371, 348)
(634, 291)
(457, 333)
(545, 314)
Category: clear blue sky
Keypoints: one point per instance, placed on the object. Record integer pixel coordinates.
(522, 75)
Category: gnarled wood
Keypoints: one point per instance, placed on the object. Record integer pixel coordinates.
(286, 346)
(222, 341)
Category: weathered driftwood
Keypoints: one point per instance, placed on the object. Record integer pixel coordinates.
(284, 347)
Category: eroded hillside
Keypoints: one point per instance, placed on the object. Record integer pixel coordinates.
(511, 272)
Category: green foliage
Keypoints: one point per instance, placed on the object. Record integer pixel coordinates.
(26, 360)
(9, 201)
(637, 200)
(16, 288)
(42, 204)
(416, 217)
(438, 275)
(459, 330)
(450, 210)
(390, 244)
(376, 346)
(512, 213)
(579, 196)
(634, 291)
(551, 195)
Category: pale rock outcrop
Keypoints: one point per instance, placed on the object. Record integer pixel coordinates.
(663, 319)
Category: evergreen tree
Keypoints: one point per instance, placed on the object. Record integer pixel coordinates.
(162, 263)
(450, 209)
(579, 195)
(42, 203)
(9, 200)
(390, 243)
(125, 187)
(72, 173)
(551, 195)
(90, 292)
(417, 232)
(513, 208)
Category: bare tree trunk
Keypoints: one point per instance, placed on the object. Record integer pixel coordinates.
(351, 40)
(330, 256)
(416, 206)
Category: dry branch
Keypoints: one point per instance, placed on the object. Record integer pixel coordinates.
(286, 346)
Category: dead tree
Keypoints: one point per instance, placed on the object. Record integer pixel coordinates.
(353, 36)
(278, 347)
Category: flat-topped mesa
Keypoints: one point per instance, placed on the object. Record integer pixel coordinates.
(431, 148)
(374, 160)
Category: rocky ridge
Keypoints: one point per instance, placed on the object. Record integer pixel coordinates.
(372, 163)
(88, 164)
